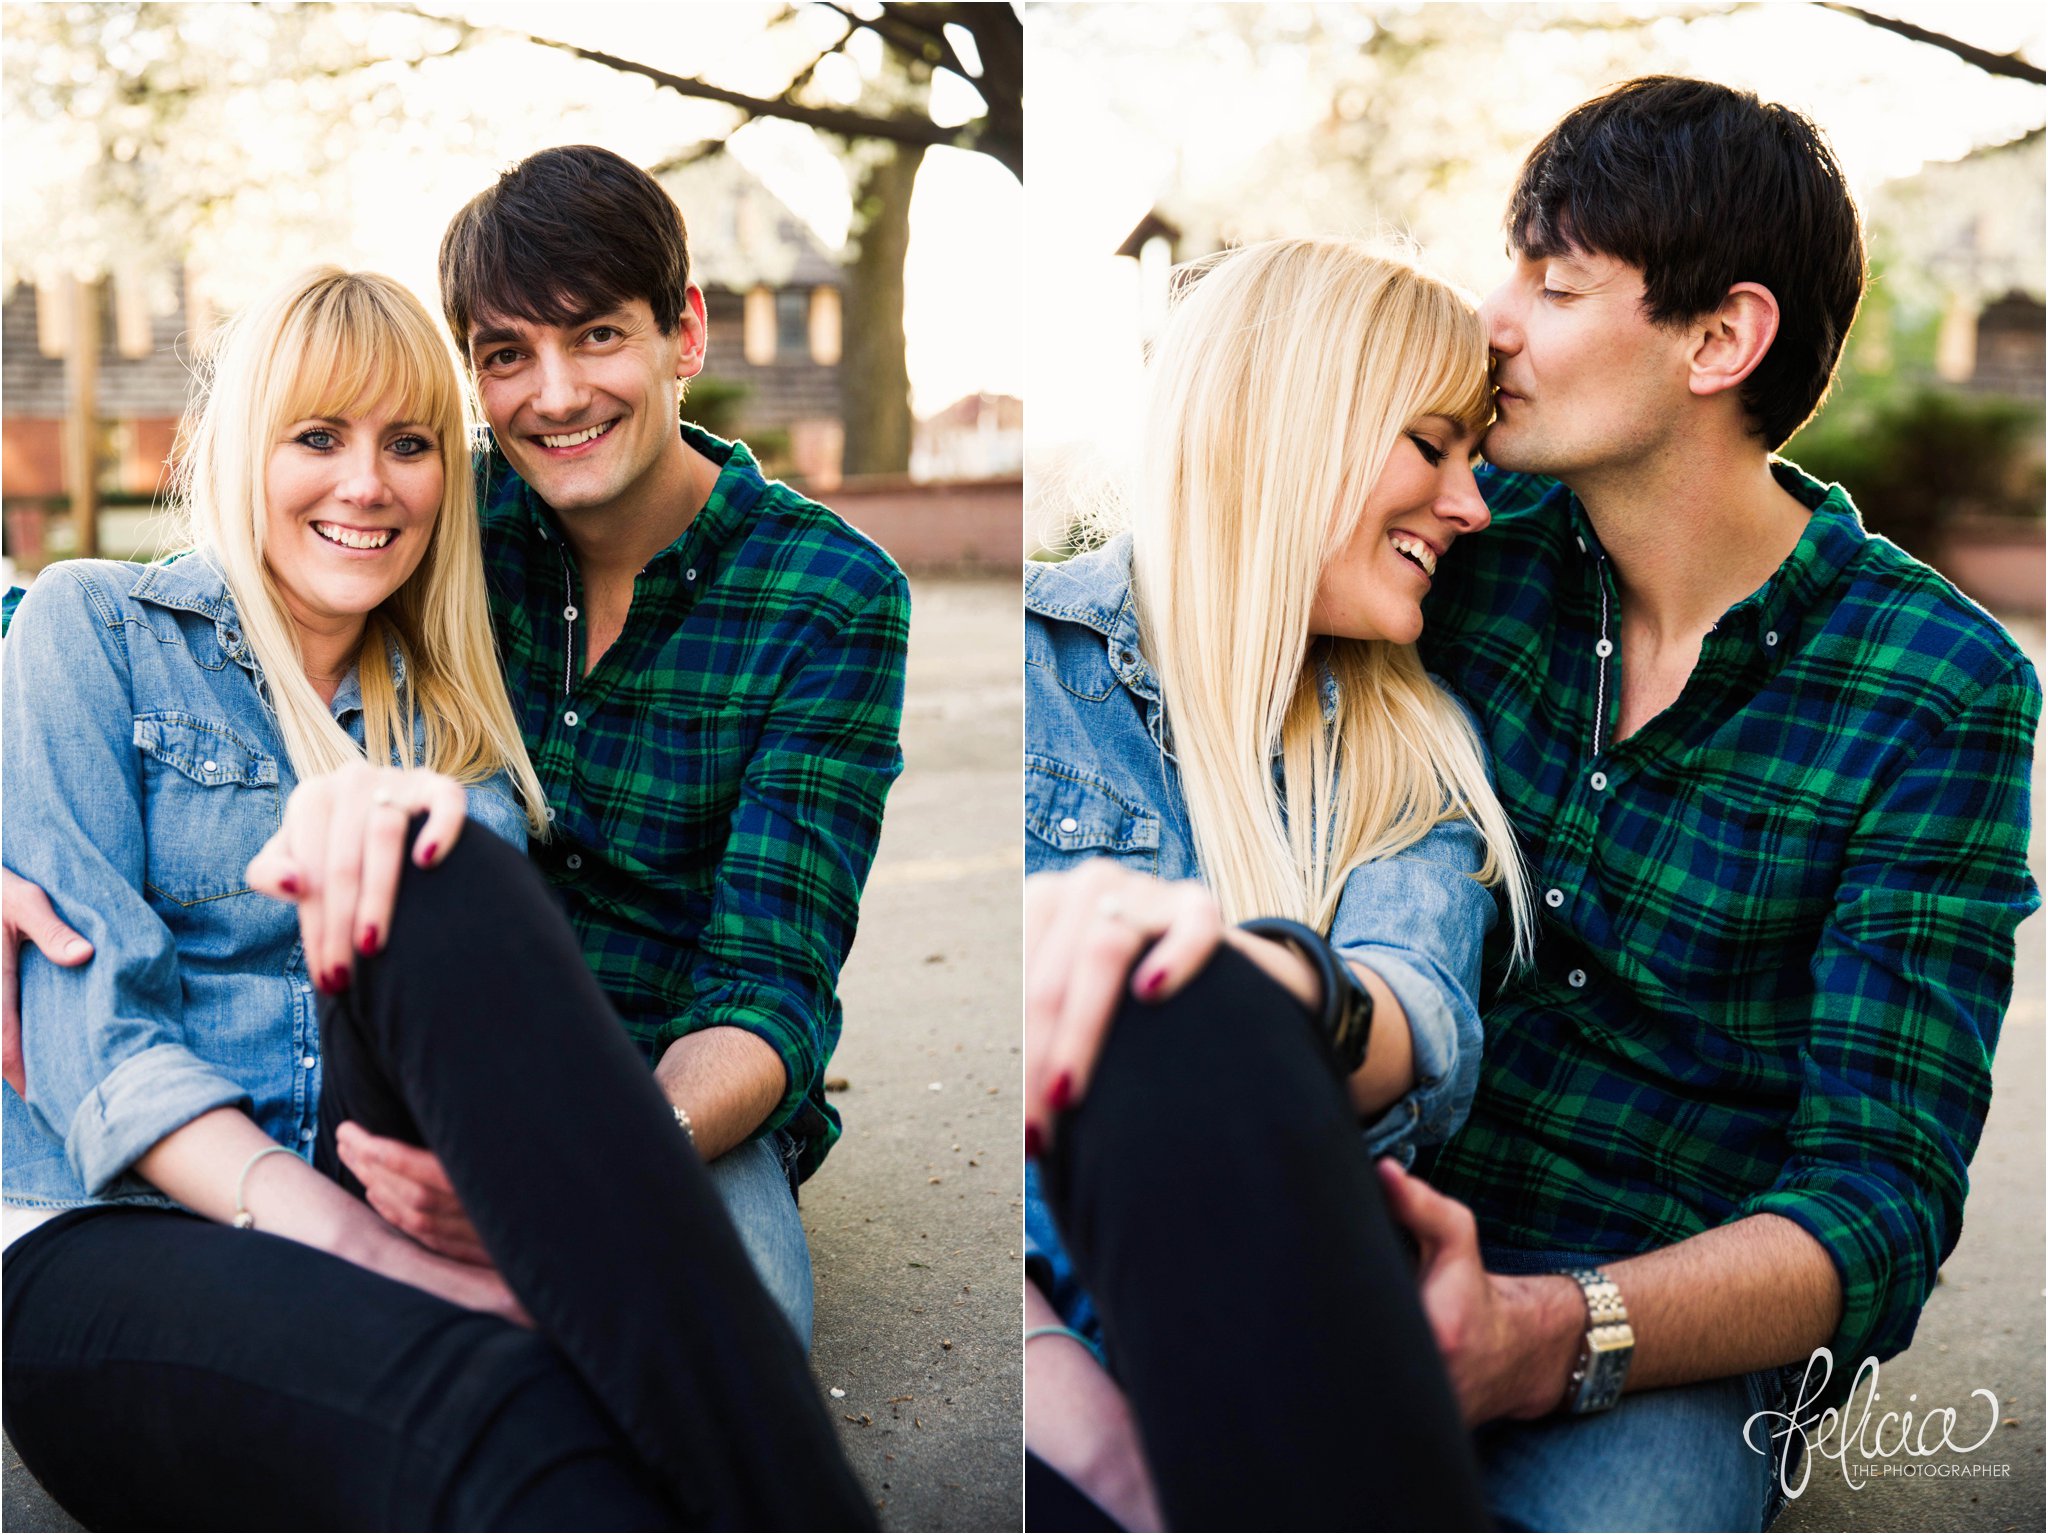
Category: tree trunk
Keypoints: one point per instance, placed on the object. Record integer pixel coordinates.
(81, 416)
(874, 379)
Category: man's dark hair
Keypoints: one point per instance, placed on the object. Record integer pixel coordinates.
(565, 234)
(1702, 187)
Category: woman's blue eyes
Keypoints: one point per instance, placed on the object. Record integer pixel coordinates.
(321, 440)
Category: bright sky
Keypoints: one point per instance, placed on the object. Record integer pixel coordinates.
(1112, 131)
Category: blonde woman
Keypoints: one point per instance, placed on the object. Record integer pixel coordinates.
(206, 1327)
(1227, 723)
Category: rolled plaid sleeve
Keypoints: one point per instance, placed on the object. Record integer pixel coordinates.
(803, 837)
(1912, 979)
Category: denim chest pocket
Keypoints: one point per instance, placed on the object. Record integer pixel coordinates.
(1080, 815)
(210, 802)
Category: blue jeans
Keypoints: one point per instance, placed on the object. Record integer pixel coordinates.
(753, 1181)
(1672, 1459)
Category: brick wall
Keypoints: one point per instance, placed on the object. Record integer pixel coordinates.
(958, 526)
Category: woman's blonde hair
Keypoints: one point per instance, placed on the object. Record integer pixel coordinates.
(337, 344)
(1282, 381)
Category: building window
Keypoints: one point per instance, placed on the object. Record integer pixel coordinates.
(792, 323)
(758, 327)
(825, 338)
(132, 329)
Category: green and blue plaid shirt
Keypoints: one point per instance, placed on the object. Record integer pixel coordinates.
(715, 783)
(1777, 921)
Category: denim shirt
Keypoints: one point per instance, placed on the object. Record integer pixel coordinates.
(1101, 782)
(143, 772)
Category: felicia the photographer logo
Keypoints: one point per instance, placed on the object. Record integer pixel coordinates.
(1897, 1442)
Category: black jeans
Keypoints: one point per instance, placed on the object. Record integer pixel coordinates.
(1257, 1302)
(165, 1372)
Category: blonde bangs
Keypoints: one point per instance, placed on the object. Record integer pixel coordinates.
(359, 349)
(1458, 381)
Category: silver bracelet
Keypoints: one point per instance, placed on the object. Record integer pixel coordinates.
(1054, 1330)
(683, 1119)
(244, 1221)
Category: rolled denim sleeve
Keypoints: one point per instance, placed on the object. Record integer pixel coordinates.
(494, 806)
(1419, 921)
(108, 1064)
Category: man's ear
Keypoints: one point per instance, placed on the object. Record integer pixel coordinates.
(1732, 338)
(692, 336)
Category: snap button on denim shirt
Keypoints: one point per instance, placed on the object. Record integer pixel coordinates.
(143, 772)
(1101, 782)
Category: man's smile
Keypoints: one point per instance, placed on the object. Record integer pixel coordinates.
(562, 444)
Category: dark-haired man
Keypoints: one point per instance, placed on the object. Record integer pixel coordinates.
(1772, 777)
(708, 671)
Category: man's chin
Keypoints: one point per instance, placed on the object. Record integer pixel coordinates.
(565, 492)
(1511, 451)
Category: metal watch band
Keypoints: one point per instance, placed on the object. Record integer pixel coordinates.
(1345, 1018)
(1610, 1344)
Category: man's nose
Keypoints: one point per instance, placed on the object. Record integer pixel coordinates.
(1501, 316)
(560, 393)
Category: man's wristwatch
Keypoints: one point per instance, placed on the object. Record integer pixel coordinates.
(1609, 1345)
(1346, 1019)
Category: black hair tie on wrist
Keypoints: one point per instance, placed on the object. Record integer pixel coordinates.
(1346, 1015)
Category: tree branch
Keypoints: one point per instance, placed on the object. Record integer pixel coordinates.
(2009, 65)
(851, 124)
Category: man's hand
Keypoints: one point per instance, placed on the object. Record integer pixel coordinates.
(25, 912)
(1508, 1343)
(410, 1189)
(341, 850)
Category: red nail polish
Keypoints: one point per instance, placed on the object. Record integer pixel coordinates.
(1062, 1092)
(289, 884)
(1150, 986)
(367, 945)
(337, 979)
(1034, 1142)
(427, 854)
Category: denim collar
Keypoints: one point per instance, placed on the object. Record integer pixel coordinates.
(1094, 590)
(190, 582)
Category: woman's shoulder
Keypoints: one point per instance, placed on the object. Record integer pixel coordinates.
(70, 601)
(1092, 589)
(117, 591)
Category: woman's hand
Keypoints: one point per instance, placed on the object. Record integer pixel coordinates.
(1084, 930)
(341, 850)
